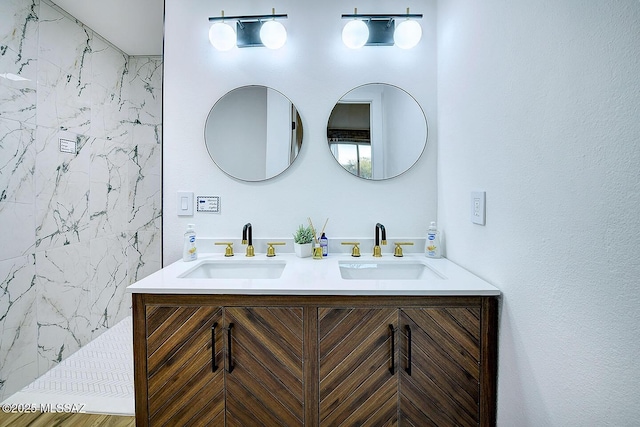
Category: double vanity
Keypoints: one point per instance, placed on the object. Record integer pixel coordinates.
(339, 341)
(287, 341)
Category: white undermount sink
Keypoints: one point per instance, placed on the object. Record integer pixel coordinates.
(218, 269)
(387, 270)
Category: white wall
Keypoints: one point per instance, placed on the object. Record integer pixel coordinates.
(314, 69)
(539, 105)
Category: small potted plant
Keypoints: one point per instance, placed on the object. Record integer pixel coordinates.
(302, 240)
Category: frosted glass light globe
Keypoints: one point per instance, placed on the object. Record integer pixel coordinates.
(407, 34)
(355, 34)
(222, 36)
(273, 34)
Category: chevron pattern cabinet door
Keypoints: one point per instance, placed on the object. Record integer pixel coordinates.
(357, 387)
(183, 387)
(297, 360)
(442, 387)
(265, 386)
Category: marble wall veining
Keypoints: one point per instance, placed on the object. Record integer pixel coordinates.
(76, 228)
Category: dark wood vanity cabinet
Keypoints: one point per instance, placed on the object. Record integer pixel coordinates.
(265, 384)
(216, 366)
(243, 360)
(181, 366)
(417, 366)
(439, 366)
(356, 385)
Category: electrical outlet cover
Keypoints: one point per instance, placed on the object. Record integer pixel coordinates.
(478, 211)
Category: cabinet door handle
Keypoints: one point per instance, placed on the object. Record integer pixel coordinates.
(230, 359)
(393, 350)
(408, 331)
(214, 365)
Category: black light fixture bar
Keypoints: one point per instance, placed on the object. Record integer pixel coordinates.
(381, 26)
(248, 33)
(248, 27)
(380, 16)
(247, 17)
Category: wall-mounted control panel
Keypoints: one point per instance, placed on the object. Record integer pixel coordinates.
(478, 210)
(210, 204)
(68, 146)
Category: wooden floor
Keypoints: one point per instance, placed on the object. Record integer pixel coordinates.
(46, 419)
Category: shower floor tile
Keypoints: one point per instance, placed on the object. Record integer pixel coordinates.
(98, 378)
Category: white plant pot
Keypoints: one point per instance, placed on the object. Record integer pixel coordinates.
(303, 250)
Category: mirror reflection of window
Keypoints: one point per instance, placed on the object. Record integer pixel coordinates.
(349, 134)
(354, 157)
(377, 131)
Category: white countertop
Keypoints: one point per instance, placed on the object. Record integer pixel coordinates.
(308, 276)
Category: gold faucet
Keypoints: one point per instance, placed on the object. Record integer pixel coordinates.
(398, 250)
(355, 251)
(377, 252)
(229, 249)
(247, 239)
(271, 251)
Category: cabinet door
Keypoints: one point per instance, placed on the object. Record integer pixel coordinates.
(184, 373)
(439, 366)
(264, 376)
(358, 379)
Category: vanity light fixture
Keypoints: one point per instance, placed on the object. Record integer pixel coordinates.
(355, 33)
(251, 31)
(381, 30)
(221, 35)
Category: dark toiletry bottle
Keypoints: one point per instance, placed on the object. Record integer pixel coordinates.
(324, 244)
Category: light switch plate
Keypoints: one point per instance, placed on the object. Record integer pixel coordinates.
(478, 211)
(185, 203)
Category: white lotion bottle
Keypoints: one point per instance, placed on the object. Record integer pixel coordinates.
(432, 247)
(190, 252)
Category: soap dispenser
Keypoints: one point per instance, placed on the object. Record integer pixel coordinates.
(432, 247)
(190, 253)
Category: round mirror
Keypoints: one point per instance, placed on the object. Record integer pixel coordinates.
(377, 131)
(253, 133)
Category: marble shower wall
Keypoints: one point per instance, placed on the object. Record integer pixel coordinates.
(76, 228)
